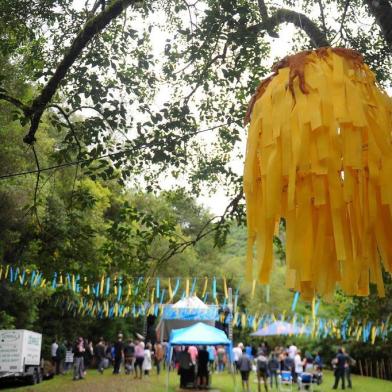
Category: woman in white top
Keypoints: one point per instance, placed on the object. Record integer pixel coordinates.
(147, 363)
(298, 365)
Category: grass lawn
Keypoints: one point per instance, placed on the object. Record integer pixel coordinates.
(95, 382)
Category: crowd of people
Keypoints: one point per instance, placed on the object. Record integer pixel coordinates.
(195, 364)
(270, 364)
(135, 357)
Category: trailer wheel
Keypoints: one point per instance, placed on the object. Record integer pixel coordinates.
(33, 379)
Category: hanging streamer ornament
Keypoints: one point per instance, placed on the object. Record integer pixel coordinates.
(319, 155)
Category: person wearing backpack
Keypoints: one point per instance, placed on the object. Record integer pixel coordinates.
(245, 367)
(273, 367)
(262, 370)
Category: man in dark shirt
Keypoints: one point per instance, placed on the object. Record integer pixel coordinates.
(100, 354)
(340, 363)
(118, 353)
(202, 367)
(288, 364)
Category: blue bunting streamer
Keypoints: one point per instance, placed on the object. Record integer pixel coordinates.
(295, 301)
(157, 289)
(214, 287)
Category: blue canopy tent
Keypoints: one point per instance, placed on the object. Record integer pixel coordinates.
(199, 334)
(280, 328)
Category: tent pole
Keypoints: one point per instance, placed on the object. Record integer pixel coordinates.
(230, 330)
(168, 368)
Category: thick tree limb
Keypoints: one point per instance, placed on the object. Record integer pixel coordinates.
(93, 26)
(283, 15)
(382, 11)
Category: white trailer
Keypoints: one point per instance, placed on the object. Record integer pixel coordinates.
(20, 355)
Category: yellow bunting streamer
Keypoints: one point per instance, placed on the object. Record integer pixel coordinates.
(187, 287)
(170, 289)
(253, 289)
(152, 295)
(225, 288)
(205, 287)
(102, 284)
(314, 308)
(319, 154)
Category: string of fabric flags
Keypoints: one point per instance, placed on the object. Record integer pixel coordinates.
(317, 328)
(112, 297)
(119, 288)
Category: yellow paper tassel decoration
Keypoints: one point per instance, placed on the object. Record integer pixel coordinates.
(319, 155)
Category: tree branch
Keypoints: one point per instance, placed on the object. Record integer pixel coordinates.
(70, 125)
(283, 15)
(322, 17)
(19, 104)
(92, 27)
(382, 12)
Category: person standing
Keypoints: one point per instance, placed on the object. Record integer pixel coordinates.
(60, 358)
(129, 357)
(245, 367)
(78, 352)
(69, 357)
(262, 370)
(202, 367)
(139, 358)
(147, 363)
(159, 356)
(298, 365)
(118, 353)
(165, 354)
(53, 352)
(340, 363)
(100, 354)
(212, 357)
(221, 358)
(237, 352)
(273, 367)
(184, 367)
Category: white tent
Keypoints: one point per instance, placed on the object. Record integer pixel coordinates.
(190, 302)
(184, 313)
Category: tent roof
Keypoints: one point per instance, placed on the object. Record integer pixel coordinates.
(198, 334)
(279, 328)
(190, 302)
